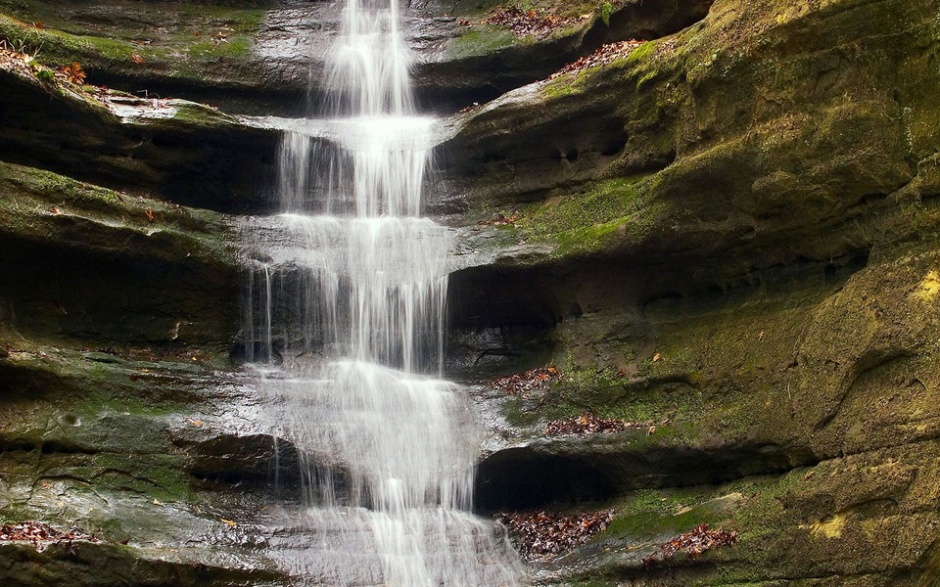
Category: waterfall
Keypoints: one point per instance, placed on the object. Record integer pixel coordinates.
(346, 325)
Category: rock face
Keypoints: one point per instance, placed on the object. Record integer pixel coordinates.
(726, 235)
(263, 57)
(177, 150)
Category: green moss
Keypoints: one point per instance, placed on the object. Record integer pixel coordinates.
(643, 52)
(233, 47)
(154, 476)
(191, 47)
(565, 8)
(199, 234)
(23, 9)
(609, 396)
(596, 205)
(239, 20)
(562, 86)
(481, 40)
(54, 48)
(599, 218)
(655, 514)
(199, 114)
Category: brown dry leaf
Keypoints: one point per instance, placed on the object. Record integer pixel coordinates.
(657, 357)
(229, 523)
(590, 424)
(501, 219)
(150, 215)
(73, 73)
(42, 535)
(523, 23)
(693, 543)
(136, 58)
(603, 56)
(528, 381)
(543, 534)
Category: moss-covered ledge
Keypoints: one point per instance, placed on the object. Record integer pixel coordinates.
(746, 103)
(181, 151)
(835, 378)
(803, 528)
(93, 264)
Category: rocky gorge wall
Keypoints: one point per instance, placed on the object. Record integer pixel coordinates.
(726, 232)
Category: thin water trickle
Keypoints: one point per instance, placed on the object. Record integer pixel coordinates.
(347, 299)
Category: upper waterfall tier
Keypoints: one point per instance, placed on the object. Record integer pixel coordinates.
(367, 73)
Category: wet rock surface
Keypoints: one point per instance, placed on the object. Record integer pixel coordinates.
(166, 267)
(188, 153)
(259, 57)
(728, 233)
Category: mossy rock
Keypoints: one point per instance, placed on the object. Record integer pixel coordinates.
(159, 270)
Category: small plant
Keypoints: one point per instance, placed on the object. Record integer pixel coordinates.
(606, 10)
(45, 75)
(20, 47)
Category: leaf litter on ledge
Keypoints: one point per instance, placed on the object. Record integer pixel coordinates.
(532, 380)
(693, 543)
(590, 424)
(528, 22)
(605, 55)
(43, 535)
(541, 535)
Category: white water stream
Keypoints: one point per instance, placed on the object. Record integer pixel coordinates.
(348, 294)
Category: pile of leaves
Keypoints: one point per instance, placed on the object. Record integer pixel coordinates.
(605, 55)
(540, 535)
(42, 535)
(527, 22)
(693, 543)
(502, 219)
(72, 73)
(590, 424)
(523, 384)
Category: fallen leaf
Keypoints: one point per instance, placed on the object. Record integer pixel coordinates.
(605, 55)
(42, 535)
(590, 424)
(539, 535)
(698, 540)
(73, 73)
(528, 23)
(229, 523)
(528, 381)
(502, 219)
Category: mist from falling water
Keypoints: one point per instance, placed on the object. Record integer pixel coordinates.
(348, 293)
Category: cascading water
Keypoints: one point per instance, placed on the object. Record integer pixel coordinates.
(349, 291)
